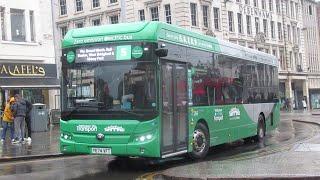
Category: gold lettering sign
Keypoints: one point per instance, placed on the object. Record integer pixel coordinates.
(22, 70)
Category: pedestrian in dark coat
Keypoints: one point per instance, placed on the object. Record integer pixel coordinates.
(28, 120)
(19, 110)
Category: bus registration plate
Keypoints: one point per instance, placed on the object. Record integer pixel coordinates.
(101, 150)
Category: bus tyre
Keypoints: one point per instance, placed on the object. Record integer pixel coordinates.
(200, 143)
(261, 130)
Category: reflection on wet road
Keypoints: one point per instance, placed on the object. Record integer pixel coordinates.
(100, 167)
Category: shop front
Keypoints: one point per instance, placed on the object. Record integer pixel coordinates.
(36, 83)
(314, 98)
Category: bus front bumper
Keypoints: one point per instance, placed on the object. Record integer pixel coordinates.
(140, 149)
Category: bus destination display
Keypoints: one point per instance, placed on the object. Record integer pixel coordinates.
(103, 53)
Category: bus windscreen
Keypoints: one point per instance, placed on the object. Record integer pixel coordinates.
(123, 90)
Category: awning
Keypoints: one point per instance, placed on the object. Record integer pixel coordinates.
(9, 83)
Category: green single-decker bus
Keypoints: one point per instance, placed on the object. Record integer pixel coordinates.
(155, 90)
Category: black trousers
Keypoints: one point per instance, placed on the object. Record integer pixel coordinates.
(28, 123)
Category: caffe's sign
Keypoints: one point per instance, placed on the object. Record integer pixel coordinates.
(27, 70)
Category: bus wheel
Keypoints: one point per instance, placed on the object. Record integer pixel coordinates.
(200, 143)
(261, 130)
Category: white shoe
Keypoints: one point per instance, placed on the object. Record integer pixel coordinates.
(15, 141)
(2, 140)
(29, 140)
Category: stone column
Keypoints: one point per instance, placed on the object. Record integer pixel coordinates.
(305, 87)
(288, 93)
(288, 88)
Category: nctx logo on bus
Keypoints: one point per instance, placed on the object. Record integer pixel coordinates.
(234, 113)
(114, 129)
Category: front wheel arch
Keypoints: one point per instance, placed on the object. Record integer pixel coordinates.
(200, 141)
(261, 128)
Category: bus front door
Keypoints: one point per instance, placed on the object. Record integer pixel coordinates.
(174, 109)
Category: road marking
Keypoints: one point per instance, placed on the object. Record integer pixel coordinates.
(148, 176)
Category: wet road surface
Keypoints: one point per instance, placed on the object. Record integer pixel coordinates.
(288, 135)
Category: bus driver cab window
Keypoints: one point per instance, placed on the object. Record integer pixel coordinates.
(126, 93)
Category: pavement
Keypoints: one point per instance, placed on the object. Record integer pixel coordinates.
(300, 161)
(44, 144)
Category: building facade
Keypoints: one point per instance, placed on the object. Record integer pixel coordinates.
(312, 36)
(27, 59)
(272, 26)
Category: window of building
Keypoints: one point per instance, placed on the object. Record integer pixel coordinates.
(167, 10)
(282, 60)
(287, 7)
(291, 59)
(271, 5)
(3, 23)
(265, 27)
(267, 51)
(79, 24)
(18, 31)
(274, 52)
(238, 1)
(249, 28)
(278, 6)
(300, 61)
(114, 19)
(95, 3)
(292, 9)
(247, 2)
(231, 21)
(96, 22)
(310, 10)
(154, 13)
(257, 24)
(216, 18)
(263, 4)
(289, 32)
(32, 29)
(273, 34)
(240, 23)
(63, 7)
(141, 15)
(297, 62)
(63, 31)
(79, 5)
(294, 34)
(279, 31)
(297, 10)
(113, 1)
(298, 35)
(193, 8)
(205, 16)
(255, 3)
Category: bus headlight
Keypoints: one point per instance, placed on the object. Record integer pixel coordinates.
(143, 138)
(66, 136)
(149, 136)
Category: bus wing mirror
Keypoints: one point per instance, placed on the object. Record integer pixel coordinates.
(161, 52)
